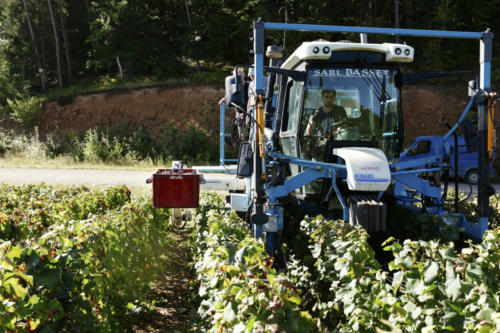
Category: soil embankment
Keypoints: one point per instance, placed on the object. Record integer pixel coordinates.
(426, 109)
(149, 110)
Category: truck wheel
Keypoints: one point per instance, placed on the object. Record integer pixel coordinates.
(472, 177)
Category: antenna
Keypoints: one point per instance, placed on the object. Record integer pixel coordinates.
(284, 31)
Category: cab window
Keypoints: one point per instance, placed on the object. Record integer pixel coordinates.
(294, 98)
(420, 148)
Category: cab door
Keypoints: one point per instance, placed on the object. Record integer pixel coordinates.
(290, 122)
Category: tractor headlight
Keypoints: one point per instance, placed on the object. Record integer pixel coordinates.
(407, 52)
(397, 51)
(315, 49)
(326, 50)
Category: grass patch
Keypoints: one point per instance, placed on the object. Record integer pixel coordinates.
(67, 162)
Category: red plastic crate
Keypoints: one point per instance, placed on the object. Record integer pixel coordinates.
(176, 189)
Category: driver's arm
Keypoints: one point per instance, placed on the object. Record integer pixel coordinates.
(311, 124)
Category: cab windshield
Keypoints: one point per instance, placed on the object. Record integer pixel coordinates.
(350, 106)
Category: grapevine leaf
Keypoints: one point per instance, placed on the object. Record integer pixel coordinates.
(431, 273)
(397, 279)
(485, 314)
(415, 286)
(250, 324)
(452, 288)
(15, 252)
(48, 279)
(240, 327)
(12, 283)
(229, 314)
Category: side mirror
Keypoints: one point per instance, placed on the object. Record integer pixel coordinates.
(234, 89)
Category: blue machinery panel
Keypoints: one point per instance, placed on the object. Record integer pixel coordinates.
(315, 170)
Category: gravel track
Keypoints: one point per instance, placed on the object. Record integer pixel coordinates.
(130, 178)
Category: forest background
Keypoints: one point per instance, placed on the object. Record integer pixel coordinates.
(52, 49)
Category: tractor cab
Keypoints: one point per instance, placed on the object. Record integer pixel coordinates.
(350, 97)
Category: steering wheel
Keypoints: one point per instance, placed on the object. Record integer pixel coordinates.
(349, 133)
(333, 126)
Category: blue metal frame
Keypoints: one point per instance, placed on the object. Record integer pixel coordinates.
(460, 120)
(372, 30)
(403, 176)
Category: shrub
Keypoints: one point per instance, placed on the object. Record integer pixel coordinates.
(77, 259)
(25, 109)
(429, 286)
(239, 290)
(28, 146)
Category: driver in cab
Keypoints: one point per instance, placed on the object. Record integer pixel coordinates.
(329, 118)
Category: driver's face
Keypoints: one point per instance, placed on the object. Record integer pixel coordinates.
(328, 98)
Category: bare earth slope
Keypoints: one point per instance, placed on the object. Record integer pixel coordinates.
(426, 108)
(148, 109)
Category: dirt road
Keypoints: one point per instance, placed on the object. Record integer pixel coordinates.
(74, 176)
(115, 177)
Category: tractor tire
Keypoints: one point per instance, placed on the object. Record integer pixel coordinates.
(368, 212)
(472, 177)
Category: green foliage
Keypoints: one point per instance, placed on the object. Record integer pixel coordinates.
(24, 110)
(81, 259)
(76, 259)
(194, 146)
(191, 146)
(239, 290)
(146, 38)
(429, 286)
(8, 89)
(27, 146)
(155, 38)
(406, 224)
(469, 207)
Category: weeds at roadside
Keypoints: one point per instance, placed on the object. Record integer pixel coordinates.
(193, 146)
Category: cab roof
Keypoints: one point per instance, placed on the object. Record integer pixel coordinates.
(323, 50)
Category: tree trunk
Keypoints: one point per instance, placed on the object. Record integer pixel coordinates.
(56, 41)
(88, 10)
(66, 45)
(191, 30)
(35, 47)
(119, 67)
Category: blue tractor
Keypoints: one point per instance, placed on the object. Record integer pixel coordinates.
(327, 130)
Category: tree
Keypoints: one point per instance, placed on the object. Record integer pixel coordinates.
(35, 47)
(62, 19)
(56, 41)
(147, 37)
(8, 89)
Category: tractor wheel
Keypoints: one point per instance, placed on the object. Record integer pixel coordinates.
(367, 211)
(472, 177)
